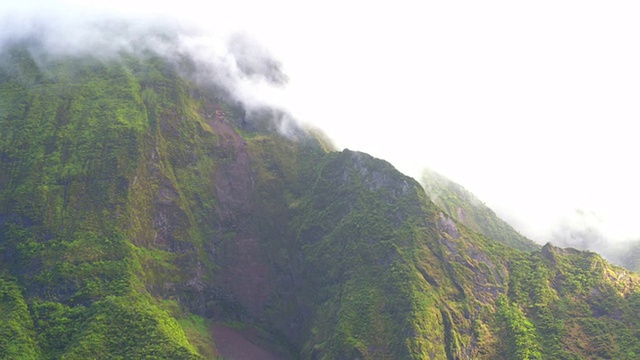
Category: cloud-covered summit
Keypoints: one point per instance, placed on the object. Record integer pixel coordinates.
(234, 62)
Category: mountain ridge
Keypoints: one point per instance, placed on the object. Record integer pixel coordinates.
(138, 208)
(466, 208)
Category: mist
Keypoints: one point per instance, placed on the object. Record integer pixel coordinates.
(532, 107)
(233, 62)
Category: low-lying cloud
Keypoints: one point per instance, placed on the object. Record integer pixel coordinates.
(235, 63)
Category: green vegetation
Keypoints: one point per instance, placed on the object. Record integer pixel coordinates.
(138, 208)
(74, 135)
(17, 335)
(198, 333)
(521, 338)
(463, 206)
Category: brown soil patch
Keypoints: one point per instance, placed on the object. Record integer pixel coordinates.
(246, 273)
(233, 344)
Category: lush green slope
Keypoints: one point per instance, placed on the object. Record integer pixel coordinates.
(137, 208)
(75, 138)
(466, 208)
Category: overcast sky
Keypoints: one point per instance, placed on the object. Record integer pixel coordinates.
(533, 106)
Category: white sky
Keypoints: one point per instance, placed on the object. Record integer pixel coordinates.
(533, 106)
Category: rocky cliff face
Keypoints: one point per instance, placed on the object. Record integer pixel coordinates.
(138, 209)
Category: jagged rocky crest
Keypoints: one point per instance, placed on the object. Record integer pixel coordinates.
(143, 215)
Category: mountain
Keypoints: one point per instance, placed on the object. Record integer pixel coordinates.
(144, 214)
(463, 206)
(629, 257)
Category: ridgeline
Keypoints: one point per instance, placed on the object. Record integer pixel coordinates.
(140, 211)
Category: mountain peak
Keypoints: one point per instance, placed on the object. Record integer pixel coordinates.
(145, 214)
